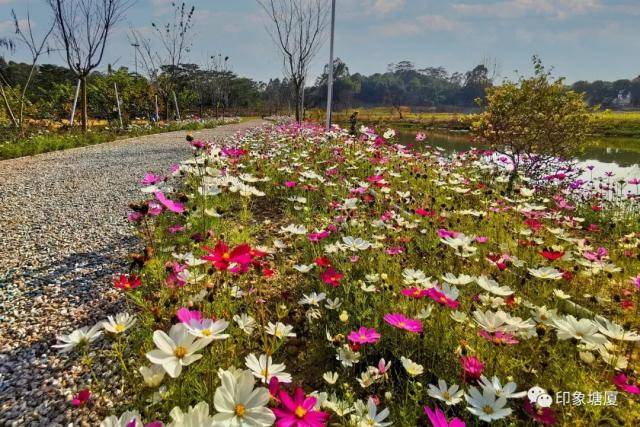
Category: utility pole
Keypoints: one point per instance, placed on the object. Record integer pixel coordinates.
(135, 55)
(330, 77)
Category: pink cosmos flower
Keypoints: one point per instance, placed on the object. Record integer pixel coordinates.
(424, 212)
(134, 216)
(414, 292)
(174, 167)
(331, 277)
(81, 398)
(636, 281)
(442, 233)
(299, 411)
(622, 382)
(399, 321)
(176, 228)
(441, 298)
(396, 250)
(290, 184)
(499, 337)
(597, 255)
(171, 205)
(185, 315)
(472, 367)
(175, 278)
(439, 419)
(482, 239)
(150, 179)
(420, 136)
(364, 336)
(155, 208)
(316, 237)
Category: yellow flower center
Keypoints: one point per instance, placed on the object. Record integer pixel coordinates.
(487, 409)
(226, 255)
(401, 324)
(240, 410)
(363, 337)
(300, 412)
(265, 373)
(446, 395)
(180, 352)
(119, 327)
(206, 332)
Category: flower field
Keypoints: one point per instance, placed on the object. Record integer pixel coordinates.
(301, 278)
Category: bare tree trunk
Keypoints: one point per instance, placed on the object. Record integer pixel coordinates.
(8, 107)
(85, 106)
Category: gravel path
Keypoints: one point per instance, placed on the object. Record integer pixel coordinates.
(63, 234)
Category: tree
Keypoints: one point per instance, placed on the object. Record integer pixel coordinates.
(36, 49)
(534, 122)
(163, 65)
(297, 27)
(83, 28)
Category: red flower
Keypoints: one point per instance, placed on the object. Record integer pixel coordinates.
(323, 262)
(127, 283)
(552, 255)
(533, 224)
(235, 261)
(472, 367)
(331, 277)
(81, 398)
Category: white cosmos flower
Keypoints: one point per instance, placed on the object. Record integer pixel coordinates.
(152, 375)
(312, 299)
(462, 244)
(264, 368)
(373, 418)
(493, 287)
(176, 350)
(583, 330)
(450, 395)
(493, 322)
(486, 406)
(356, 244)
(347, 357)
(615, 331)
(415, 277)
(208, 328)
(119, 324)
(333, 304)
(280, 330)
(127, 419)
(78, 338)
(239, 404)
(462, 279)
(545, 273)
(508, 391)
(304, 268)
(196, 416)
(245, 322)
(544, 315)
(389, 133)
(414, 369)
(330, 377)
(293, 229)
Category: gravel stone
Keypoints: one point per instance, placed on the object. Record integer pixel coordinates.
(63, 235)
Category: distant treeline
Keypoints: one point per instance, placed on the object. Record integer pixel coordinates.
(213, 92)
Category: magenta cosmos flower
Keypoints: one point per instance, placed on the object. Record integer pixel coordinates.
(400, 321)
(439, 419)
(298, 411)
(414, 292)
(499, 337)
(622, 382)
(171, 205)
(441, 298)
(472, 367)
(364, 336)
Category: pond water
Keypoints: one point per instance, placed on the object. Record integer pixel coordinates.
(620, 156)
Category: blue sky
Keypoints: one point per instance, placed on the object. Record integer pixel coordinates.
(581, 39)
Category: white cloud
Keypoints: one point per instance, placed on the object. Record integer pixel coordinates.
(509, 9)
(383, 7)
(419, 25)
